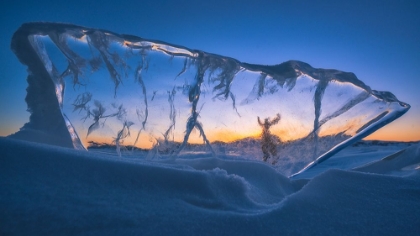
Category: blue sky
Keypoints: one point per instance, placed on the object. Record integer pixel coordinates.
(379, 41)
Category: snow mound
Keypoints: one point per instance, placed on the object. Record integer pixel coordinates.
(352, 203)
(50, 190)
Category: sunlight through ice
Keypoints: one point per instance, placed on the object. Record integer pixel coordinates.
(97, 90)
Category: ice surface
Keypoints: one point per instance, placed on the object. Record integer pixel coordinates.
(50, 190)
(405, 162)
(94, 89)
(363, 153)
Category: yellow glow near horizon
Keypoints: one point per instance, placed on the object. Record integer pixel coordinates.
(404, 129)
(396, 131)
(285, 131)
(144, 141)
(392, 134)
(227, 136)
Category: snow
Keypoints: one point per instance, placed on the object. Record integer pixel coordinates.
(174, 186)
(50, 190)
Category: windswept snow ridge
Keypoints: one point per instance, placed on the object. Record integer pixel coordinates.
(91, 88)
(50, 190)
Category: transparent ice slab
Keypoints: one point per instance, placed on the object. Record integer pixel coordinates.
(97, 90)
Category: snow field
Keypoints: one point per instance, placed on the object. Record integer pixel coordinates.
(52, 190)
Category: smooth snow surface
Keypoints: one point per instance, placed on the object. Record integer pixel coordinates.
(49, 190)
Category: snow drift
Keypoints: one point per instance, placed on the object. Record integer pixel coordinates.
(54, 190)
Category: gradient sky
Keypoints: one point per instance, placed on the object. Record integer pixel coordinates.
(379, 41)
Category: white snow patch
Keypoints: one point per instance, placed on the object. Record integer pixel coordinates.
(48, 190)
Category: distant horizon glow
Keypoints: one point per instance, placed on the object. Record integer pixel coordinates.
(379, 43)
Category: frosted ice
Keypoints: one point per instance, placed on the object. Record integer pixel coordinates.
(98, 90)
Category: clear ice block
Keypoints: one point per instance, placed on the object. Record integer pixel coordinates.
(97, 90)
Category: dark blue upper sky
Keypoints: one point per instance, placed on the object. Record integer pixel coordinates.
(377, 40)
